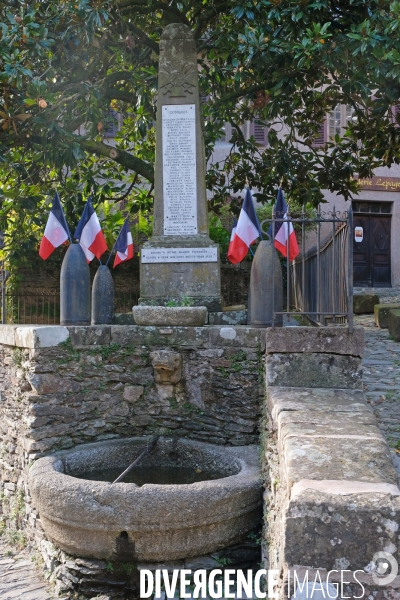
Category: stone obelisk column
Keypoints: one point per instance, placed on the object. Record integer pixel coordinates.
(179, 259)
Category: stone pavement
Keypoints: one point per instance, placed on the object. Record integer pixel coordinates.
(381, 365)
(19, 576)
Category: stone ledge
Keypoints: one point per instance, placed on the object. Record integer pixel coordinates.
(364, 303)
(332, 340)
(314, 370)
(343, 488)
(381, 313)
(316, 403)
(47, 336)
(338, 498)
(33, 336)
(343, 448)
(340, 531)
(394, 324)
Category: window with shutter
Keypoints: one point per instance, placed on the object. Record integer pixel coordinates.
(259, 132)
(320, 138)
(226, 133)
(339, 118)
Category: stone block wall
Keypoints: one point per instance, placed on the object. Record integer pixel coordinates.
(332, 499)
(64, 386)
(331, 493)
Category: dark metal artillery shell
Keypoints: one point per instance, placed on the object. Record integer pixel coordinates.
(102, 297)
(262, 287)
(75, 288)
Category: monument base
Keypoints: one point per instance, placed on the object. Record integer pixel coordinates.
(213, 303)
(193, 274)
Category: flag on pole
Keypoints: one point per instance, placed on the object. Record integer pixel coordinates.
(57, 230)
(246, 232)
(284, 231)
(89, 233)
(123, 245)
(230, 248)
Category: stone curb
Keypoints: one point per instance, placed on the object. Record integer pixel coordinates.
(341, 500)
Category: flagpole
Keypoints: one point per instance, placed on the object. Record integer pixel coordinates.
(93, 193)
(259, 227)
(115, 243)
(108, 259)
(69, 233)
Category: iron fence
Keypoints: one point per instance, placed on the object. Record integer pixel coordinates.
(320, 285)
(235, 281)
(42, 307)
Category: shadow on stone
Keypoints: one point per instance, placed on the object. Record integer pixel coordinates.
(124, 548)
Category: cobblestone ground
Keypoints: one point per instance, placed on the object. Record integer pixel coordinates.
(19, 576)
(381, 365)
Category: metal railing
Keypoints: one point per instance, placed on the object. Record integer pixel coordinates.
(40, 308)
(320, 285)
(43, 307)
(235, 280)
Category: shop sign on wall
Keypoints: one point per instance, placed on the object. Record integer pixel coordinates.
(381, 184)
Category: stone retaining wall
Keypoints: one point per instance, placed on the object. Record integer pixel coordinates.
(333, 501)
(64, 386)
(331, 494)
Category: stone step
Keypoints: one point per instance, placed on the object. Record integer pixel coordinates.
(381, 312)
(394, 323)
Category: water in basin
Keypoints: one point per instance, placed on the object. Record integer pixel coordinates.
(161, 475)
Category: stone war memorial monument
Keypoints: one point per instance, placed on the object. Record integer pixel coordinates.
(258, 451)
(180, 259)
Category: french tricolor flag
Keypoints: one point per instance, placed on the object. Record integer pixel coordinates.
(230, 249)
(246, 232)
(123, 245)
(89, 233)
(57, 230)
(284, 231)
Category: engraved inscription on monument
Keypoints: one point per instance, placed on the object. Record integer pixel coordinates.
(176, 255)
(179, 169)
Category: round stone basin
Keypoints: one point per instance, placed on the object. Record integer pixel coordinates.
(150, 521)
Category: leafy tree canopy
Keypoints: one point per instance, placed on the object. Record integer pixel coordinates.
(64, 65)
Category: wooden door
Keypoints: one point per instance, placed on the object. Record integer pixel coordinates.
(380, 250)
(362, 252)
(371, 256)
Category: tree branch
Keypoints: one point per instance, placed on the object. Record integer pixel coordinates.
(239, 94)
(122, 157)
(126, 194)
(123, 95)
(113, 78)
(137, 4)
(207, 17)
(238, 129)
(142, 37)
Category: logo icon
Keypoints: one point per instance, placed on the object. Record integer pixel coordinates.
(385, 568)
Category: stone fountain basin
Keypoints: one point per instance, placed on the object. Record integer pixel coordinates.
(154, 522)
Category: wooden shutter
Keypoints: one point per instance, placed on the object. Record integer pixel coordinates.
(259, 132)
(112, 124)
(320, 138)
